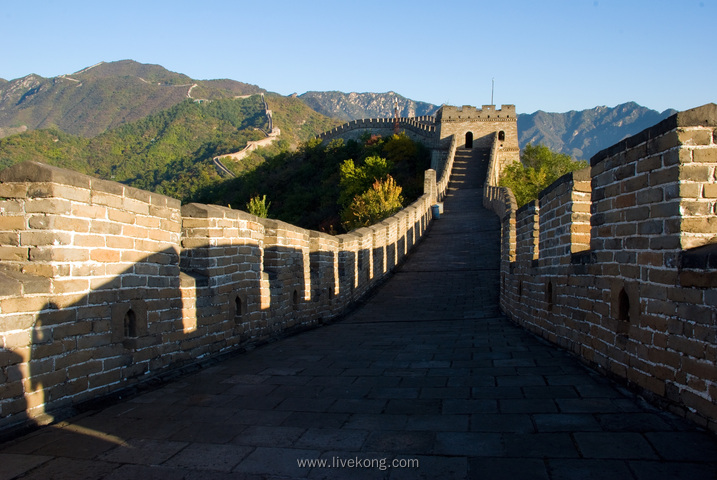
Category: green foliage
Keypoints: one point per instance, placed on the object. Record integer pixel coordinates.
(306, 184)
(170, 152)
(257, 206)
(380, 201)
(356, 180)
(90, 102)
(538, 168)
(296, 120)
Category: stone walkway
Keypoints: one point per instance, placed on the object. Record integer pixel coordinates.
(426, 374)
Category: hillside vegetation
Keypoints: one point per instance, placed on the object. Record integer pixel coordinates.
(169, 152)
(304, 187)
(537, 169)
(104, 96)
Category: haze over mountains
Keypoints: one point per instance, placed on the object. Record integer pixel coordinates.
(106, 95)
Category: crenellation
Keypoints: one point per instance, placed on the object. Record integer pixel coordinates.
(132, 283)
(630, 295)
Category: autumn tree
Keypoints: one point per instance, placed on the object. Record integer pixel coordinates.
(381, 201)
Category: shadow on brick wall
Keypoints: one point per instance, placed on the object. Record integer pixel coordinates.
(152, 320)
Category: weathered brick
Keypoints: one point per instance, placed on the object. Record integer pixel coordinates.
(84, 369)
(59, 254)
(89, 240)
(135, 206)
(106, 200)
(700, 224)
(647, 164)
(710, 190)
(48, 205)
(13, 190)
(664, 142)
(694, 136)
(695, 208)
(705, 155)
(44, 238)
(12, 222)
(24, 304)
(696, 173)
(14, 254)
(104, 255)
(89, 211)
(119, 242)
(121, 216)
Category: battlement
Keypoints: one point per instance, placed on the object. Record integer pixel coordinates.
(422, 129)
(103, 285)
(448, 113)
(613, 262)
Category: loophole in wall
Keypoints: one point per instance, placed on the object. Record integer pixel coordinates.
(130, 324)
(238, 309)
(623, 313)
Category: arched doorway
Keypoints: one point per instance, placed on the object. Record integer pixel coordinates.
(469, 139)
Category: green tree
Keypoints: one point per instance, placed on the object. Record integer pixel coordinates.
(257, 206)
(381, 201)
(538, 168)
(357, 179)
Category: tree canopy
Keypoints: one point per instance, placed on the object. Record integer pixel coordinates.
(312, 186)
(537, 169)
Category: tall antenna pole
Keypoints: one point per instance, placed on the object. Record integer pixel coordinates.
(492, 88)
(395, 116)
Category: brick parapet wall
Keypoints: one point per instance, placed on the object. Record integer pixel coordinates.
(422, 129)
(527, 232)
(103, 286)
(84, 253)
(639, 303)
(442, 184)
(502, 154)
(448, 113)
(564, 220)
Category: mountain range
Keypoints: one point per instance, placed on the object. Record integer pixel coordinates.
(107, 95)
(354, 106)
(580, 134)
(103, 96)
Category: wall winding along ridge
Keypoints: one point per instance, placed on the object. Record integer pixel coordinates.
(617, 262)
(104, 285)
(421, 129)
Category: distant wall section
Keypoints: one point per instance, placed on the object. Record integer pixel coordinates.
(421, 129)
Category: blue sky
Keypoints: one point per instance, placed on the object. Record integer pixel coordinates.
(543, 54)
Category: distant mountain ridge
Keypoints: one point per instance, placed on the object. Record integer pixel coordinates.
(103, 96)
(354, 106)
(581, 134)
(106, 95)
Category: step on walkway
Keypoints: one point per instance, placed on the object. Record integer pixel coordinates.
(427, 371)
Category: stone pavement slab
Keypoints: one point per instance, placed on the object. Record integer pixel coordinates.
(425, 380)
